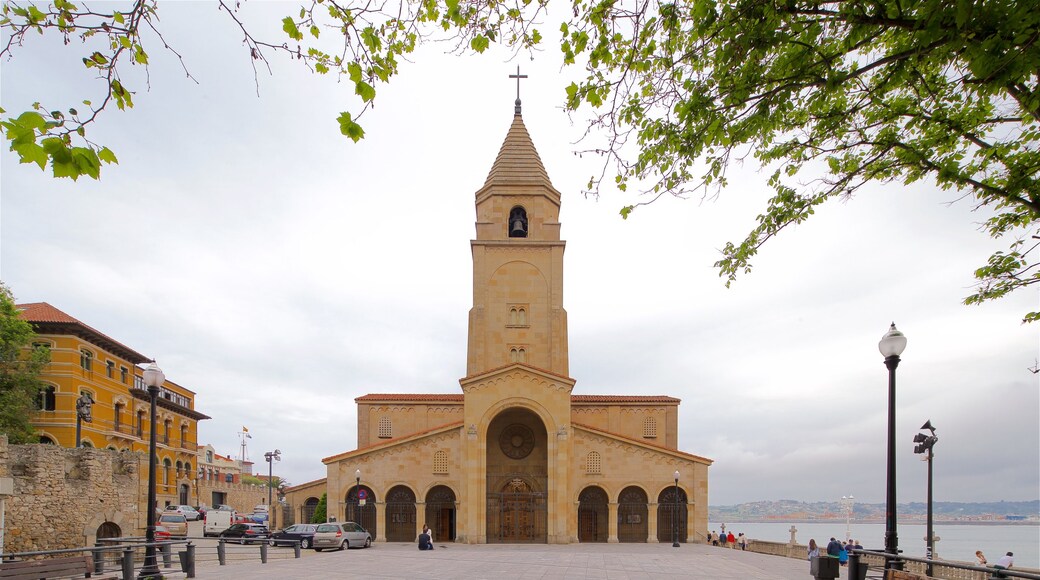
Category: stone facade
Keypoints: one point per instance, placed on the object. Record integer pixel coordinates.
(517, 457)
(67, 498)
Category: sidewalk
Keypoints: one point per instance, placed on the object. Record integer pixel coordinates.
(503, 562)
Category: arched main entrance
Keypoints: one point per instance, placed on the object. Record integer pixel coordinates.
(440, 513)
(183, 493)
(632, 514)
(400, 514)
(671, 513)
(362, 514)
(517, 479)
(592, 515)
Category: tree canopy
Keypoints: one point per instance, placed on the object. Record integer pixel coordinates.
(20, 366)
(827, 95)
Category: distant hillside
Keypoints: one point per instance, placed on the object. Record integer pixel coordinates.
(797, 510)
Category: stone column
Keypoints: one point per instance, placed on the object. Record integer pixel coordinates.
(380, 522)
(612, 523)
(420, 518)
(651, 526)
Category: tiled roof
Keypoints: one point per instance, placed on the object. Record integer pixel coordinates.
(406, 397)
(49, 320)
(518, 162)
(624, 399)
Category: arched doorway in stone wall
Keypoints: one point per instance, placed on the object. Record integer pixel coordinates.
(632, 515)
(400, 514)
(362, 514)
(517, 478)
(108, 530)
(671, 514)
(440, 513)
(309, 507)
(183, 494)
(593, 515)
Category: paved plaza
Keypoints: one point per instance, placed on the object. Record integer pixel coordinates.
(501, 562)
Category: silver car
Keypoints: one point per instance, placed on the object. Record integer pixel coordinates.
(339, 535)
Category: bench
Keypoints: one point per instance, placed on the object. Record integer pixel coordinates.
(68, 567)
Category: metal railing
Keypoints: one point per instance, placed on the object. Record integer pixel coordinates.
(123, 557)
(871, 564)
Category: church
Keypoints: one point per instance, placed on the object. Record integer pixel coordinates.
(517, 456)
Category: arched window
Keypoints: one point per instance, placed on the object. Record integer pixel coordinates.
(45, 400)
(514, 316)
(140, 423)
(649, 428)
(86, 359)
(166, 432)
(518, 354)
(184, 436)
(166, 471)
(593, 464)
(118, 412)
(517, 222)
(179, 467)
(523, 316)
(385, 431)
(187, 468)
(440, 462)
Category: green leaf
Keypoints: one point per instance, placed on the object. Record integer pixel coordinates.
(366, 91)
(290, 28)
(479, 43)
(348, 127)
(106, 155)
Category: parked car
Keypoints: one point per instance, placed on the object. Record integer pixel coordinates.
(176, 523)
(304, 533)
(216, 521)
(237, 519)
(162, 533)
(245, 533)
(225, 508)
(339, 535)
(189, 513)
(260, 513)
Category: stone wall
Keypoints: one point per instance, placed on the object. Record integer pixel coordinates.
(62, 497)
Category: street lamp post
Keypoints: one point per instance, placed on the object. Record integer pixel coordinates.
(357, 496)
(675, 512)
(891, 346)
(846, 504)
(271, 457)
(924, 445)
(153, 378)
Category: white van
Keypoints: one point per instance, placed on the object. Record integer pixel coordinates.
(216, 521)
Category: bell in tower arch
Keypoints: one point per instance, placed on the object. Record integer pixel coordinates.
(518, 223)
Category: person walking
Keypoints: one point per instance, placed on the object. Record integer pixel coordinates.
(722, 539)
(731, 539)
(813, 551)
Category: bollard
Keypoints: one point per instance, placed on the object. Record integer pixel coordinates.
(191, 561)
(99, 559)
(263, 551)
(167, 555)
(221, 552)
(296, 548)
(128, 562)
(857, 569)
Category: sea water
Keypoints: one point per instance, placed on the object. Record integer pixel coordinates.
(957, 541)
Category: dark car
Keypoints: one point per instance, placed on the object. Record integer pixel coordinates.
(304, 533)
(245, 533)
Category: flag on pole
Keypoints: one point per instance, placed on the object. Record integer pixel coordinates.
(245, 429)
(246, 433)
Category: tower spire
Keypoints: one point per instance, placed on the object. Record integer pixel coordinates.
(517, 76)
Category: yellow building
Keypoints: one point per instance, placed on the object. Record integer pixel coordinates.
(517, 457)
(86, 361)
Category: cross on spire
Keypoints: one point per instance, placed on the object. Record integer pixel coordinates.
(517, 76)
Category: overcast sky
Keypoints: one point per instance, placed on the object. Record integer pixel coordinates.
(279, 271)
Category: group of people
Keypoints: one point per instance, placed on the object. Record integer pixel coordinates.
(728, 540)
(1003, 563)
(835, 548)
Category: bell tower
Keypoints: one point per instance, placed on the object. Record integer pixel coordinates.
(517, 313)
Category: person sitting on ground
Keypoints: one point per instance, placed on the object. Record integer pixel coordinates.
(424, 542)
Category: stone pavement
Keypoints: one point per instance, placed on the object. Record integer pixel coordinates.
(503, 562)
